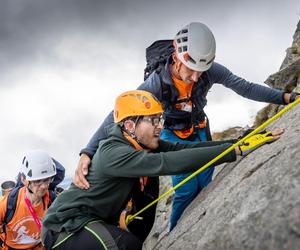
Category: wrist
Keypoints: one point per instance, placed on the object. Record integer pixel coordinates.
(286, 98)
(238, 150)
(85, 154)
(293, 96)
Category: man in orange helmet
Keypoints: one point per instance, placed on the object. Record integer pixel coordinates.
(125, 168)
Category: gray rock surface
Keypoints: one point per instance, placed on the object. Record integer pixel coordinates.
(253, 203)
(288, 77)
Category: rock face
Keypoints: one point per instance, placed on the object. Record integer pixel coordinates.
(253, 203)
(287, 78)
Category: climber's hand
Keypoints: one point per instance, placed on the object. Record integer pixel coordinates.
(81, 171)
(258, 140)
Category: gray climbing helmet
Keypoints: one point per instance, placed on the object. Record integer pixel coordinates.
(195, 46)
(37, 165)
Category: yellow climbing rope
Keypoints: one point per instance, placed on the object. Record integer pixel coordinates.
(262, 126)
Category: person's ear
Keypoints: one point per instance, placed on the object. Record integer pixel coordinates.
(174, 57)
(23, 180)
(177, 62)
(129, 126)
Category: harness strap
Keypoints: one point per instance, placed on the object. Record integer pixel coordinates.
(62, 237)
(143, 182)
(97, 229)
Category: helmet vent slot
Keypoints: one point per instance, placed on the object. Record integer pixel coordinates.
(192, 60)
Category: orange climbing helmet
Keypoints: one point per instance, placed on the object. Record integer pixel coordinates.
(136, 103)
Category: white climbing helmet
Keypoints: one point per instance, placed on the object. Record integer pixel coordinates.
(37, 165)
(195, 46)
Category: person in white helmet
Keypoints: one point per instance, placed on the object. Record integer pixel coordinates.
(23, 229)
(181, 84)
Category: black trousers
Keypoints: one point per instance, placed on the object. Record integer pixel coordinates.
(90, 239)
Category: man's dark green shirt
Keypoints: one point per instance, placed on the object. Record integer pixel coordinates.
(114, 170)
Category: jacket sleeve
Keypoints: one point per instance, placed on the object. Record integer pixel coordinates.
(250, 90)
(100, 134)
(125, 161)
(165, 146)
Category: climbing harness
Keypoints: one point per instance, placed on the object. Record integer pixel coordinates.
(143, 182)
(255, 131)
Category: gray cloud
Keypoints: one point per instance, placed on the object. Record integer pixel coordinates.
(31, 29)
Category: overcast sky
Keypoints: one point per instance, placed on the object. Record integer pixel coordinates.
(63, 62)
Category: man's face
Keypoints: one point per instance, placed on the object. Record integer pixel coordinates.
(40, 187)
(148, 130)
(188, 75)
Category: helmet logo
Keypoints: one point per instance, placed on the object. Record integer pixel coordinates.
(142, 98)
(147, 105)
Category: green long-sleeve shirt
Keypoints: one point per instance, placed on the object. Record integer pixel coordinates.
(115, 169)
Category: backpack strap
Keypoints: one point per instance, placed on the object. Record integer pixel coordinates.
(165, 91)
(11, 207)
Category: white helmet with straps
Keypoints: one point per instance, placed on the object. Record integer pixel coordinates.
(37, 165)
(195, 46)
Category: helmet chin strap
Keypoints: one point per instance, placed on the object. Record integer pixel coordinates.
(29, 189)
(133, 135)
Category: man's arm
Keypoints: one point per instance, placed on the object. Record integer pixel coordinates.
(124, 161)
(250, 90)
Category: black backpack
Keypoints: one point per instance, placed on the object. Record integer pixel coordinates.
(13, 195)
(156, 56)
